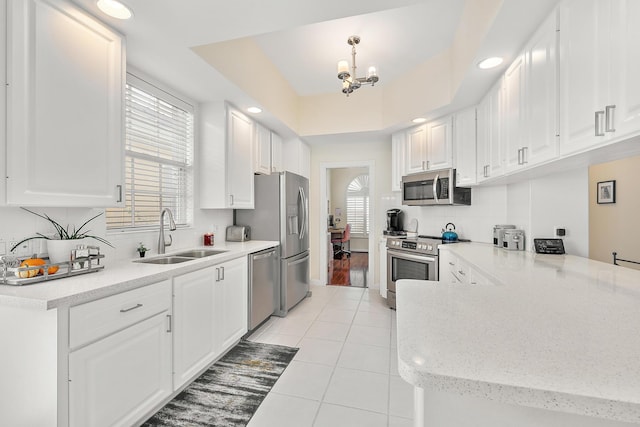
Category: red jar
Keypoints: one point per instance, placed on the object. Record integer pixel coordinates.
(208, 239)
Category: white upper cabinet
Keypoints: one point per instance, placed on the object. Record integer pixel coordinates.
(276, 153)
(296, 157)
(541, 108)
(239, 164)
(226, 158)
(531, 101)
(416, 149)
(599, 65)
(490, 152)
(397, 160)
(464, 143)
(262, 150)
(439, 144)
(268, 151)
(429, 146)
(625, 81)
(65, 92)
(514, 113)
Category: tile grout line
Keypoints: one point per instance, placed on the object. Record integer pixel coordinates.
(335, 365)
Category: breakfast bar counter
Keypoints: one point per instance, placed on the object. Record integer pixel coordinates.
(545, 340)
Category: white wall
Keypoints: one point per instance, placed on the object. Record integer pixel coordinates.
(475, 222)
(536, 206)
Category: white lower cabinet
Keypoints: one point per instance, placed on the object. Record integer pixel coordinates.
(118, 378)
(132, 351)
(194, 309)
(210, 307)
(454, 270)
(231, 302)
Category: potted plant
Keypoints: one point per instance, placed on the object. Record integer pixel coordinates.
(142, 249)
(59, 247)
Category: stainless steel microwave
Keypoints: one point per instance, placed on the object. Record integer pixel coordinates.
(434, 188)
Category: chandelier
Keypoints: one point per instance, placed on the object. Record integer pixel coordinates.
(349, 80)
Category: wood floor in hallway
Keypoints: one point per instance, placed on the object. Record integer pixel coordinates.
(349, 271)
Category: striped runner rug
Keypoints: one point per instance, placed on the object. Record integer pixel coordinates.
(228, 393)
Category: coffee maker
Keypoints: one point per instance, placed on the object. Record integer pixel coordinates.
(394, 223)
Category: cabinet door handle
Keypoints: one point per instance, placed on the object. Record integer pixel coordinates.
(609, 118)
(428, 164)
(599, 117)
(524, 155)
(217, 274)
(169, 323)
(125, 310)
(222, 275)
(231, 199)
(119, 187)
(519, 156)
(423, 165)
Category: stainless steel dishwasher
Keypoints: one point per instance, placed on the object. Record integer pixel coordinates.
(264, 289)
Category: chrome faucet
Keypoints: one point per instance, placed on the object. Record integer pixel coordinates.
(172, 226)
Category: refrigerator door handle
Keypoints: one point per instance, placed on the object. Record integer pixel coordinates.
(303, 213)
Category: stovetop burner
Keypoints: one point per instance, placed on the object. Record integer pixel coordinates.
(394, 233)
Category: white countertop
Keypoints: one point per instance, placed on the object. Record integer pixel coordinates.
(117, 277)
(558, 332)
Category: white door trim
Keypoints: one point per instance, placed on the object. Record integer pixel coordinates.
(322, 214)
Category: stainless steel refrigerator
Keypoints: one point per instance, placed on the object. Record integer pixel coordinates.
(282, 213)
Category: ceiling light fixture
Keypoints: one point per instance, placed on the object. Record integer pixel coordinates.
(115, 9)
(254, 110)
(492, 62)
(349, 80)
(419, 120)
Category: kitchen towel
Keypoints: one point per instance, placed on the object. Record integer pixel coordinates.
(228, 393)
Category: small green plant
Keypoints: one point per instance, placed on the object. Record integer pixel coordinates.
(63, 233)
(142, 248)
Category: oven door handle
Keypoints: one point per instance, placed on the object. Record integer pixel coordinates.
(411, 257)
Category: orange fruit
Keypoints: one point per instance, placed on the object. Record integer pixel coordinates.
(31, 262)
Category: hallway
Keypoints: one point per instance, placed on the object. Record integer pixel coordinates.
(349, 271)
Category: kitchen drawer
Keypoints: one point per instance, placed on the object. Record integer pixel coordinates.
(94, 320)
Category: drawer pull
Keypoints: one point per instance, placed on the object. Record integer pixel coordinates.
(124, 310)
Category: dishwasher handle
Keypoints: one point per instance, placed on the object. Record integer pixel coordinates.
(264, 255)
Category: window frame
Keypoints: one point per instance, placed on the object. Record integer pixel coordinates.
(365, 195)
(149, 86)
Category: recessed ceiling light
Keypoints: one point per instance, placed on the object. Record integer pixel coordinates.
(115, 9)
(492, 62)
(254, 110)
(419, 120)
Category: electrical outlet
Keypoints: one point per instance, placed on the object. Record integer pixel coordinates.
(559, 231)
(23, 250)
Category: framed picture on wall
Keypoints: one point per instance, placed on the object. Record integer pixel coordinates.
(606, 192)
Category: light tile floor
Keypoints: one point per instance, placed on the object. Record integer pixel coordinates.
(345, 373)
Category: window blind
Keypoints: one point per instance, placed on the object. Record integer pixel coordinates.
(158, 164)
(358, 205)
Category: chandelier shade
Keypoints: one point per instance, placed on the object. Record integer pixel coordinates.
(350, 81)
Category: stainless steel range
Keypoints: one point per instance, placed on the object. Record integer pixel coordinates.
(410, 258)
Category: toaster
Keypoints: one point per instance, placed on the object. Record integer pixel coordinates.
(513, 240)
(238, 233)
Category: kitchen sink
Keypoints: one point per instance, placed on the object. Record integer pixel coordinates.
(199, 253)
(165, 260)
